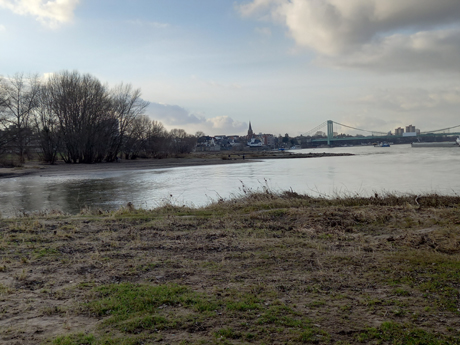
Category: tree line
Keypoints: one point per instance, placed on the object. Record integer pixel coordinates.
(77, 118)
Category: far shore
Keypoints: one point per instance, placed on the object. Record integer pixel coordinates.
(194, 159)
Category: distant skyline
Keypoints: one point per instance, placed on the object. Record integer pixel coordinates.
(285, 65)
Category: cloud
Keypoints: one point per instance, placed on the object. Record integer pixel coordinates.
(226, 125)
(422, 51)
(2, 28)
(48, 12)
(256, 7)
(47, 76)
(367, 33)
(413, 99)
(174, 116)
(428, 108)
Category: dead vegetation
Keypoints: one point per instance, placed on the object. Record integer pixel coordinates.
(264, 268)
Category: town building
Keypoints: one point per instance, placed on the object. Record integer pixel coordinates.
(399, 131)
(268, 140)
(411, 131)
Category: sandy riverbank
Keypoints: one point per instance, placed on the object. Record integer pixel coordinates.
(196, 159)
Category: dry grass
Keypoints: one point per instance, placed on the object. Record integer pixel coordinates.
(263, 268)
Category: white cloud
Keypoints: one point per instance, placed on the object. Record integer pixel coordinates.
(422, 51)
(257, 7)
(413, 99)
(366, 33)
(47, 76)
(51, 13)
(226, 124)
(174, 116)
(2, 28)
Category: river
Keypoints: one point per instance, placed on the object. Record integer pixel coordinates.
(398, 169)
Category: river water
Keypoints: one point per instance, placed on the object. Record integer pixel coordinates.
(400, 169)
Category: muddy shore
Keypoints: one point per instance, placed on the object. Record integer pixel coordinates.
(264, 269)
(197, 159)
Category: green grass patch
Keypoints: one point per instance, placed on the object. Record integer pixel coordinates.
(281, 315)
(228, 333)
(130, 307)
(45, 252)
(75, 339)
(396, 334)
(435, 275)
(244, 302)
(90, 339)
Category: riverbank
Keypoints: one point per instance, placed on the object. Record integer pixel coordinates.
(265, 268)
(195, 159)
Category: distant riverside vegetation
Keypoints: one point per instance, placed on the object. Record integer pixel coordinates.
(76, 118)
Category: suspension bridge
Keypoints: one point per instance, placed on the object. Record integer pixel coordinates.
(370, 134)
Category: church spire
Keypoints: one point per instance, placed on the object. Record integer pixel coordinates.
(250, 132)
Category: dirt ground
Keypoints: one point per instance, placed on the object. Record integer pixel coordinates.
(195, 159)
(265, 269)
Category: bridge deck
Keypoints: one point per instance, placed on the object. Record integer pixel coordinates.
(385, 137)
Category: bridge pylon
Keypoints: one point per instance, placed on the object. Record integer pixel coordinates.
(330, 131)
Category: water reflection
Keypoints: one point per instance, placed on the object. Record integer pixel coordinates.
(396, 169)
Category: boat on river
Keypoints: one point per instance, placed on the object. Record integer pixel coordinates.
(382, 144)
(437, 144)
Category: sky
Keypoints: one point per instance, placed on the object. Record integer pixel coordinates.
(285, 65)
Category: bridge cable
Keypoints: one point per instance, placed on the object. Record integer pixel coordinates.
(439, 130)
(359, 129)
(316, 128)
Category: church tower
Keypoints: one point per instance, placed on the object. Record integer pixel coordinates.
(250, 132)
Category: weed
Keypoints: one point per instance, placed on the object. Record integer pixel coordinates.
(228, 333)
(401, 292)
(4, 290)
(22, 275)
(46, 252)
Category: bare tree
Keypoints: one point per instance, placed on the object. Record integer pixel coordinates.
(137, 136)
(47, 127)
(127, 106)
(157, 141)
(81, 119)
(18, 100)
(83, 107)
(181, 142)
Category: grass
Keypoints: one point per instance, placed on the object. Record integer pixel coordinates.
(260, 269)
(393, 333)
(132, 307)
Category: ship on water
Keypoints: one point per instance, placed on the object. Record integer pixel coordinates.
(438, 144)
